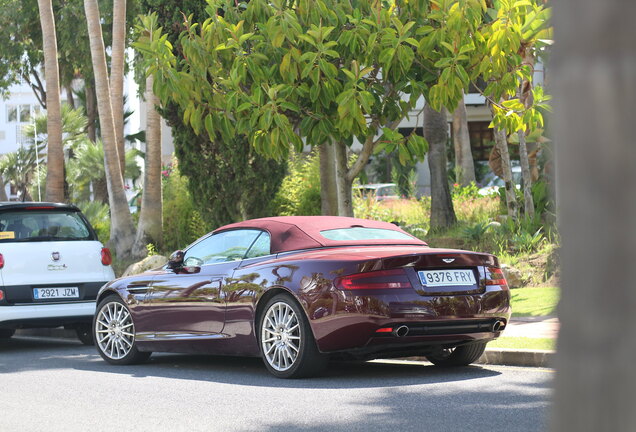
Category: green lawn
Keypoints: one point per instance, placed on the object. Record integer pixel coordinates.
(523, 343)
(534, 301)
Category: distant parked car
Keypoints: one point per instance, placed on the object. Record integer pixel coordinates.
(492, 183)
(379, 191)
(297, 290)
(51, 267)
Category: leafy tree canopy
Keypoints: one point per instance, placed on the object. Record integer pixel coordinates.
(282, 72)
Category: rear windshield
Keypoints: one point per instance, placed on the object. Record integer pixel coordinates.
(359, 233)
(43, 225)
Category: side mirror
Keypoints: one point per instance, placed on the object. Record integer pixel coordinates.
(175, 262)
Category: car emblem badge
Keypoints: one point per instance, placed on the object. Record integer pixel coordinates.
(55, 256)
(448, 260)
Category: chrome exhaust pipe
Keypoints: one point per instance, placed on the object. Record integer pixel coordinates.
(401, 331)
(497, 326)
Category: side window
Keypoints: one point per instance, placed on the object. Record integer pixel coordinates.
(221, 247)
(261, 246)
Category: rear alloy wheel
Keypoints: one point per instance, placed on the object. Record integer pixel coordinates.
(6, 333)
(114, 333)
(287, 344)
(85, 334)
(458, 356)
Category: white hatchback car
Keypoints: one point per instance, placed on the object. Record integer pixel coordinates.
(51, 267)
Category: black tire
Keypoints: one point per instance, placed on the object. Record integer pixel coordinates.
(288, 347)
(85, 334)
(114, 332)
(6, 333)
(458, 356)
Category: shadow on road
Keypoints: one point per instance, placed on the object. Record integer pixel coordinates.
(43, 354)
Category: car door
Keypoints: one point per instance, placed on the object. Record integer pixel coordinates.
(190, 302)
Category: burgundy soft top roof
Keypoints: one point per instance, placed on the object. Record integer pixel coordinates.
(289, 233)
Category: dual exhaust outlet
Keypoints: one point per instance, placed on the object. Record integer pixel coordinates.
(403, 330)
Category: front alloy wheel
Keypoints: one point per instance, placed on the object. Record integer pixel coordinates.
(114, 333)
(287, 343)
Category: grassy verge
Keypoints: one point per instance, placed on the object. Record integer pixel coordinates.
(534, 301)
(523, 343)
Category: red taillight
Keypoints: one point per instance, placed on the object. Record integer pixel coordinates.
(495, 276)
(1, 261)
(1, 295)
(384, 279)
(40, 208)
(384, 330)
(107, 259)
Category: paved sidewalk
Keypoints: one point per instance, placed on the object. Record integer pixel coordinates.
(533, 327)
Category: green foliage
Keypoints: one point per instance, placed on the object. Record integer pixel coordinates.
(326, 70)
(216, 168)
(182, 223)
(19, 167)
(299, 193)
(152, 249)
(87, 166)
(521, 236)
(476, 233)
(460, 192)
(404, 177)
(98, 214)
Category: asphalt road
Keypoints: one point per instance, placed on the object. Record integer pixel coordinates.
(55, 385)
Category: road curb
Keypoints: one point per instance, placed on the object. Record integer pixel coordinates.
(517, 357)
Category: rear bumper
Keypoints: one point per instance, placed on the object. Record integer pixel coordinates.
(46, 315)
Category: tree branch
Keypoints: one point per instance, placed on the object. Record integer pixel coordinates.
(38, 89)
(367, 149)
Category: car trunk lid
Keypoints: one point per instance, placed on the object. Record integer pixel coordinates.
(53, 262)
(444, 272)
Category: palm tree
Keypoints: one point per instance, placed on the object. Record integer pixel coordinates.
(150, 229)
(122, 231)
(55, 154)
(117, 74)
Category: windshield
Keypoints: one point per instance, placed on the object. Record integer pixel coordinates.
(43, 225)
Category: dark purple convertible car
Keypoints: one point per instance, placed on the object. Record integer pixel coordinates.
(300, 290)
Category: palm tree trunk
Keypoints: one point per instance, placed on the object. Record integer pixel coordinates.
(91, 111)
(3, 192)
(122, 231)
(70, 99)
(464, 165)
(436, 133)
(118, 59)
(150, 229)
(55, 153)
